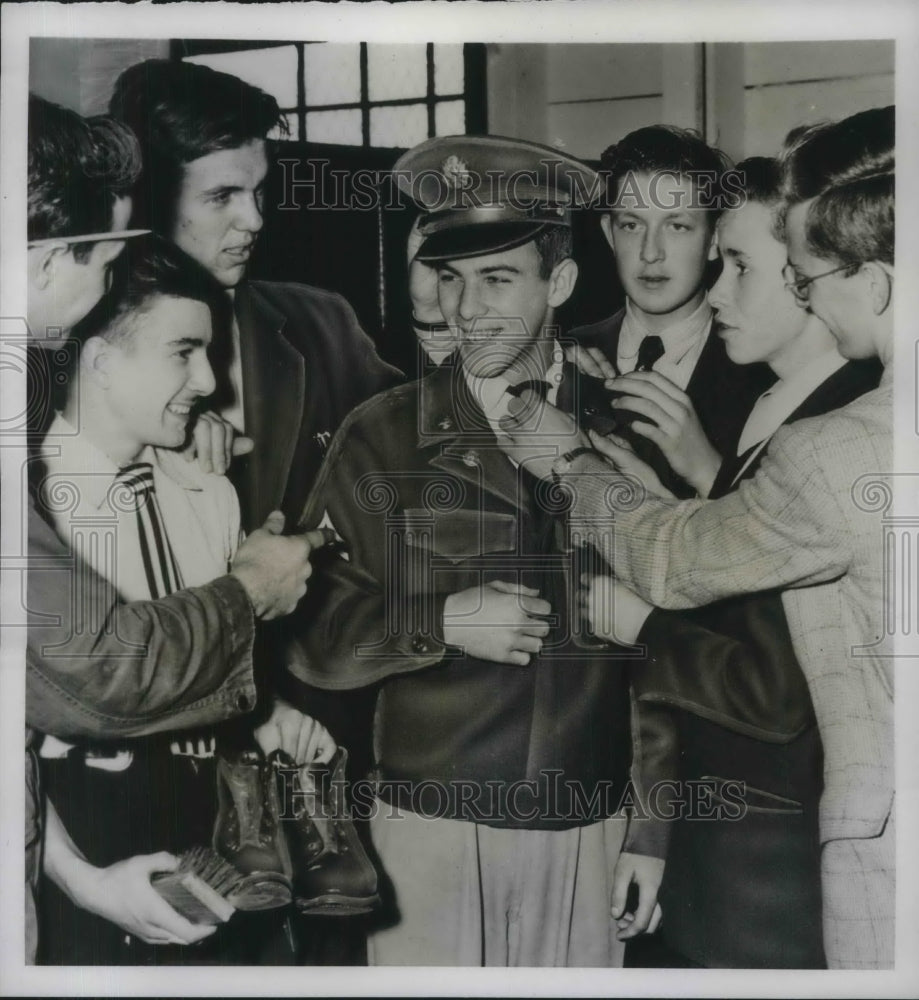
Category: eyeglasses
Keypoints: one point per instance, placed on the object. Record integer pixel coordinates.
(800, 287)
(118, 234)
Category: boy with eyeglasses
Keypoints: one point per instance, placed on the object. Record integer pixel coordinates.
(726, 677)
(808, 521)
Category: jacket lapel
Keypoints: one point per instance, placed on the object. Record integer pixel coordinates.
(273, 390)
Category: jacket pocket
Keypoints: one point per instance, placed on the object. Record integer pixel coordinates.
(756, 800)
(460, 534)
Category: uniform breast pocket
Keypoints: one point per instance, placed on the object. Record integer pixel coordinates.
(460, 535)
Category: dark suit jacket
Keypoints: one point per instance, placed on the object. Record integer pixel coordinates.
(430, 506)
(306, 364)
(744, 714)
(722, 394)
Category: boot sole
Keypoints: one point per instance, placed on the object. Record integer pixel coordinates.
(337, 906)
(262, 891)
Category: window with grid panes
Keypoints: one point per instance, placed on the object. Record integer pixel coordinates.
(359, 93)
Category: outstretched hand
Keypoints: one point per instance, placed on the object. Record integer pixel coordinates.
(535, 434)
(274, 567)
(672, 424)
(618, 452)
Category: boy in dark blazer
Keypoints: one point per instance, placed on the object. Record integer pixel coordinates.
(664, 248)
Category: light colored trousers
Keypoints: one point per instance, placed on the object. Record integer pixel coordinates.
(473, 895)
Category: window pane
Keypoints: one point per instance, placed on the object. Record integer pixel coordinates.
(450, 118)
(343, 127)
(333, 73)
(273, 70)
(401, 127)
(397, 71)
(448, 69)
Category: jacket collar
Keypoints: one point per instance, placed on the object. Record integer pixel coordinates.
(275, 388)
(454, 431)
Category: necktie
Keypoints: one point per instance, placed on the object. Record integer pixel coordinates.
(160, 567)
(650, 351)
(540, 386)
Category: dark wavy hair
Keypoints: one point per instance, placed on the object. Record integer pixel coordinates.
(553, 244)
(848, 168)
(665, 148)
(77, 168)
(150, 267)
(181, 111)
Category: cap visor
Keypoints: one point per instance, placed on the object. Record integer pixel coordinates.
(476, 241)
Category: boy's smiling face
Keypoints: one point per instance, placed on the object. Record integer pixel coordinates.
(154, 374)
(662, 243)
(496, 305)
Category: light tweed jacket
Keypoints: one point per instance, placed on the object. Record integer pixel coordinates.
(806, 521)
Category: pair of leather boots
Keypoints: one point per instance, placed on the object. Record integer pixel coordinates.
(288, 830)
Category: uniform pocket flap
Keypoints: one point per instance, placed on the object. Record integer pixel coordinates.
(460, 534)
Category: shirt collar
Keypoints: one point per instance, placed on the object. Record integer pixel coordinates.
(491, 393)
(678, 337)
(68, 452)
(802, 382)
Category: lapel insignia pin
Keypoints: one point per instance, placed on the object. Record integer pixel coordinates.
(445, 424)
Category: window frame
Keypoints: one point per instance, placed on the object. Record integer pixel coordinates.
(473, 94)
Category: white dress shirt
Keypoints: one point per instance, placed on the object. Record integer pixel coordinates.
(492, 396)
(778, 403)
(200, 511)
(683, 342)
(234, 411)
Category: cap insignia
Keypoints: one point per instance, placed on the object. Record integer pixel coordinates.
(456, 172)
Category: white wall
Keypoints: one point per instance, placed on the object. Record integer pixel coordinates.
(80, 72)
(743, 96)
(793, 83)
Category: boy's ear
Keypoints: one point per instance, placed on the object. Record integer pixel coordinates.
(606, 224)
(562, 281)
(880, 285)
(713, 244)
(43, 262)
(95, 361)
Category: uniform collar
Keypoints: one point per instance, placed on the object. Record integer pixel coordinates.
(451, 402)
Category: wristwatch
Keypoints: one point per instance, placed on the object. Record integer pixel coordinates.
(563, 463)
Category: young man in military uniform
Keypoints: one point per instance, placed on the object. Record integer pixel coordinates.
(503, 738)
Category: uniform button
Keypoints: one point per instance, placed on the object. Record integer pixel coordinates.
(243, 703)
(419, 645)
